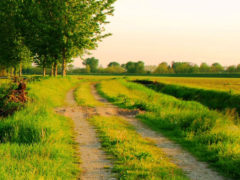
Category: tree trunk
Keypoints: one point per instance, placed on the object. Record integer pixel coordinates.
(44, 71)
(15, 71)
(20, 69)
(55, 69)
(1, 72)
(52, 70)
(6, 72)
(64, 62)
(12, 72)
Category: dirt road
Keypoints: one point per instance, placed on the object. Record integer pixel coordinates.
(94, 163)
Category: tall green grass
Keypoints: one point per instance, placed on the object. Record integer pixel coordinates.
(36, 143)
(214, 99)
(4, 81)
(209, 135)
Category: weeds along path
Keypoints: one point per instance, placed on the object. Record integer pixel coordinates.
(94, 163)
(194, 169)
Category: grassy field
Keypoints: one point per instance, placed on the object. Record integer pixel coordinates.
(36, 143)
(209, 135)
(3, 82)
(215, 83)
(223, 101)
(220, 84)
(223, 84)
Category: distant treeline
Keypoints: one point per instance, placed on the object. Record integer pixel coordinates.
(186, 67)
(164, 69)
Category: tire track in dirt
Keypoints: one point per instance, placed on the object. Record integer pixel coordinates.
(193, 168)
(94, 163)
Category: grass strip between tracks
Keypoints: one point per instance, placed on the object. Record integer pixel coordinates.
(136, 157)
(84, 96)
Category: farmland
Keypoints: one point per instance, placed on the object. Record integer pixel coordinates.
(225, 101)
(128, 120)
(223, 84)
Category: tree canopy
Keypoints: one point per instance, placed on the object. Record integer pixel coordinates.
(113, 64)
(92, 64)
(135, 67)
(162, 68)
(52, 31)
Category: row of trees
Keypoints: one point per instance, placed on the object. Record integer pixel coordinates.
(113, 67)
(162, 68)
(186, 67)
(92, 66)
(49, 32)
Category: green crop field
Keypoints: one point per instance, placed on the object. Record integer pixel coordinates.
(223, 84)
(38, 143)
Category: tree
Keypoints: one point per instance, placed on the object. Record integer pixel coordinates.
(13, 52)
(182, 67)
(114, 70)
(140, 67)
(216, 67)
(64, 29)
(135, 67)
(231, 69)
(238, 68)
(40, 32)
(204, 68)
(44, 61)
(131, 67)
(92, 63)
(81, 24)
(194, 68)
(113, 64)
(162, 68)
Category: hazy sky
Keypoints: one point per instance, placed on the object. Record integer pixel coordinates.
(173, 30)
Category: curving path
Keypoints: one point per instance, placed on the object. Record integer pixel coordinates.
(193, 168)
